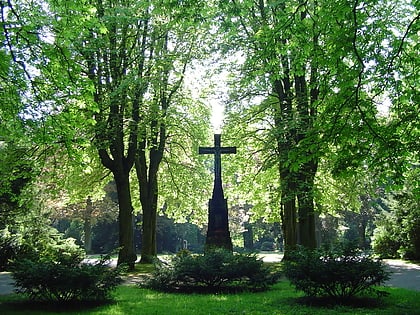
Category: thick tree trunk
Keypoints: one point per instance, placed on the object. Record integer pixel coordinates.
(149, 246)
(307, 236)
(288, 211)
(306, 213)
(126, 254)
(288, 216)
(148, 189)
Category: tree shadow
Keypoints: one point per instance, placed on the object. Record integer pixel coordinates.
(330, 302)
(53, 307)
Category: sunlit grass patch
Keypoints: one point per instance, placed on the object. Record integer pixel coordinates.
(281, 299)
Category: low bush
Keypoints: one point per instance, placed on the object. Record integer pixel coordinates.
(65, 280)
(37, 242)
(341, 273)
(8, 248)
(216, 270)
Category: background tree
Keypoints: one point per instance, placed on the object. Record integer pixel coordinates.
(177, 37)
(307, 78)
(81, 217)
(323, 91)
(24, 144)
(132, 58)
(398, 227)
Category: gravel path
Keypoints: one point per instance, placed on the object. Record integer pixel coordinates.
(404, 275)
(6, 283)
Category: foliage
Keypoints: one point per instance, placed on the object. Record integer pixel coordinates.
(17, 172)
(314, 88)
(36, 241)
(215, 271)
(125, 63)
(8, 247)
(70, 71)
(340, 273)
(386, 242)
(65, 280)
(171, 236)
(398, 230)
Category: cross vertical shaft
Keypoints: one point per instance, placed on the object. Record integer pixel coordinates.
(218, 234)
(217, 150)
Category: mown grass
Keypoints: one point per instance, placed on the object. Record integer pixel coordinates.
(281, 299)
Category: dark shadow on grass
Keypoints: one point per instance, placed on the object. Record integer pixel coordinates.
(53, 307)
(197, 289)
(351, 302)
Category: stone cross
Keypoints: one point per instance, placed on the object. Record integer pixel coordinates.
(218, 234)
(217, 150)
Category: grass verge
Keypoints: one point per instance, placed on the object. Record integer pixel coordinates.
(281, 299)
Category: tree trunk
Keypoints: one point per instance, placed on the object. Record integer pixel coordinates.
(288, 211)
(148, 189)
(149, 246)
(248, 236)
(87, 230)
(288, 214)
(126, 254)
(306, 213)
(87, 226)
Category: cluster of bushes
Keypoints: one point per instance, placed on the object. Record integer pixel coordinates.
(398, 233)
(341, 273)
(64, 281)
(58, 275)
(38, 242)
(216, 270)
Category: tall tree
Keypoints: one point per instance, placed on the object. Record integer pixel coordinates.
(132, 57)
(178, 33)
(109, 40)
(21, 90)
(311, 63)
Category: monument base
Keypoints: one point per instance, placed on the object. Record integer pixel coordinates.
(218, 240)
(218, 235)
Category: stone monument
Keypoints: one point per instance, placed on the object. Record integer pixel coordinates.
(218, 234)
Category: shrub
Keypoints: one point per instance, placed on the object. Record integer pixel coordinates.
(8, 248)
(217, 270)
(65, 280)
(340, 273)
(386, 242)
(37, 242)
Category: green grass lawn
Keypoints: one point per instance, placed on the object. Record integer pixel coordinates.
(281, 299)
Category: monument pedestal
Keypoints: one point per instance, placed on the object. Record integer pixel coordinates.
(218, 235)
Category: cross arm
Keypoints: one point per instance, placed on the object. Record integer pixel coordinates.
(206, 150)
(228, 150)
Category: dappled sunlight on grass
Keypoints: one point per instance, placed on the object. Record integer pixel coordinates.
(218, 298)
(282, 299)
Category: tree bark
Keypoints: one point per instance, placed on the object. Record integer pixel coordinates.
(87, 226)
(306, 212)
(148, 189)
(296, 177)
(126, 254)
(288, 213)
(149, 246)
(248, 236)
